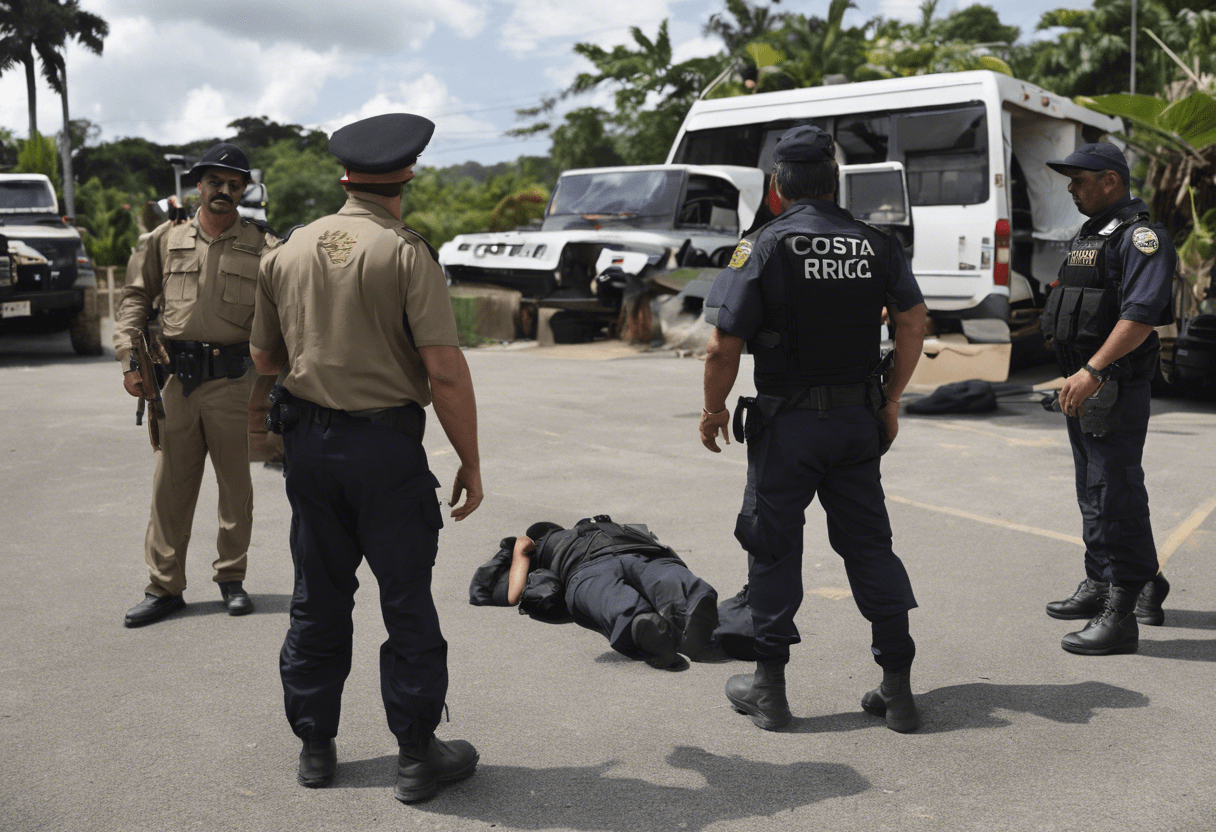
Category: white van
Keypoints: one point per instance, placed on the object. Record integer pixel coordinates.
(990, 221)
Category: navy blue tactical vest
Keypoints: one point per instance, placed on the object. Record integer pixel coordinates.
(828, 327)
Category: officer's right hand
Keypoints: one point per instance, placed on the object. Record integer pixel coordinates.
(468, 482)
(890, 420)
(133, 384)
(710, 426)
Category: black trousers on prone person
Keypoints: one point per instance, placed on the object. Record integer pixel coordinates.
(1110, 491)
(361, 490)
(607, 593)
(836, 455)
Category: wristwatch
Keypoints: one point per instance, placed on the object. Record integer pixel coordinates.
(1098, 375)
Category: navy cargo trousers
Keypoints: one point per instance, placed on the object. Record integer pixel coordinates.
(1110, 491)
(836, 455)
(361, 490)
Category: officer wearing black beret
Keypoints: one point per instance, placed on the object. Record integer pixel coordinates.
(805, 293)
(357, 307)
(1114, 288)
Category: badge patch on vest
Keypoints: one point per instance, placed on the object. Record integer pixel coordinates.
(1146, 240)
(338, 245)
(1083, 257)
(742, 252)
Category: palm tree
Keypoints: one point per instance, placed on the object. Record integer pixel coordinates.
(37, 31)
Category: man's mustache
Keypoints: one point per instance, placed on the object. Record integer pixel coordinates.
(221, 196)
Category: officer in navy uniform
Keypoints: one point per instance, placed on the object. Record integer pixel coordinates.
(1114, 287)
(806, 294)
(356, 305)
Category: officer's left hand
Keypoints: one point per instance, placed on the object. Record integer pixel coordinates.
(711, 425)
(1077, 388)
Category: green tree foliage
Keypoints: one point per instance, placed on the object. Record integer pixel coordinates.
(35, 32)
(439, 211)
(133, 165)
(583, 141)
(108, 219)
(302, 183)
(38, 155)
(940, 44)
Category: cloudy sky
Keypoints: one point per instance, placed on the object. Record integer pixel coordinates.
(176, 70)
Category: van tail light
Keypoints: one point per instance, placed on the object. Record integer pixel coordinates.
(1000, 266)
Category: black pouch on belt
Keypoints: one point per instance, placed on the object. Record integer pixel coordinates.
(283, 415)
(753, 415)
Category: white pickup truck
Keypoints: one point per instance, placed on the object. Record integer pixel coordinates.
(606, 226)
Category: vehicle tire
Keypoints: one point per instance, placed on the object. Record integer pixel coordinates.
(84, 326)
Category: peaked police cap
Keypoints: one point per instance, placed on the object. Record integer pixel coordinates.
(381, 144)
(222, 155)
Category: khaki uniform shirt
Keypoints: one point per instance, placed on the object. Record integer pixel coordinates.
(339, 294)
(207, 286)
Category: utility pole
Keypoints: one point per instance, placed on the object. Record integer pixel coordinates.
(1133, 47)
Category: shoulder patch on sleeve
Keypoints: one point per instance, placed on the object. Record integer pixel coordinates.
(742, 252)
(1146, 240)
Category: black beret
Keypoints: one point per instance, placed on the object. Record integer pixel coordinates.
(222, 155)
(805, 144)
(381, 144)
(1096, 156)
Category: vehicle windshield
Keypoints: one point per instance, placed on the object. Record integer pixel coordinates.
(614, 195)
(254, 195)
(27, 195)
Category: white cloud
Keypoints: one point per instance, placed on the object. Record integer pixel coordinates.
(357, 25)
(534, 23)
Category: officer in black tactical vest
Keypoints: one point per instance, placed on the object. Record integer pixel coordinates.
(806, 293)
(1114, 287)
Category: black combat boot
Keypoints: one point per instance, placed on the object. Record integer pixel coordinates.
(1113, 630)
(236, 599)
(318, 759)
(420, 772)
(1086, 602)
(699, 625)
(893, 700)
(655, 637)
(152, 608)
(1148, 605)
(761, 695)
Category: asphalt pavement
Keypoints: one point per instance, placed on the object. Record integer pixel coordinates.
(180, 725)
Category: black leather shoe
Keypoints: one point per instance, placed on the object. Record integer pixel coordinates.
(699, 626)
(1113, 630)
(655, 637)
(1148, 605)
(236, 599)
(420, 774)
(893, 701)
(152, 608)
(1086, 602)
(318, 759)
(761, 695)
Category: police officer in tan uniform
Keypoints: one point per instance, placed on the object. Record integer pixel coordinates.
(357, 305)
(205, 273)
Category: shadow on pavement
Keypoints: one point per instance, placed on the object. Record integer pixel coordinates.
(590, 798)
(263, 604)
(961, 707)
(1190, 649)
(1190, 619)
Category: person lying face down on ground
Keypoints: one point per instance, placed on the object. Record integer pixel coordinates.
(614, 578)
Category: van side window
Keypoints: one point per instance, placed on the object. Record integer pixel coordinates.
(864, 138)
(721, 146)
(945, 153)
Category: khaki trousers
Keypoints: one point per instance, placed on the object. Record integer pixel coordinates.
(213, 420)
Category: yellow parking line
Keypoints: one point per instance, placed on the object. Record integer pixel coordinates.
(1007, 436)
(992, 521)
(1179, 535)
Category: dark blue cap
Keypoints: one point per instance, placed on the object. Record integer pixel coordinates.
(381, 144)
(1096, 156)
(222, 155)
(805, 144)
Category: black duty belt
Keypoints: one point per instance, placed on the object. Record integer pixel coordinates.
(752, 415)
(408, 419)
(194, 362)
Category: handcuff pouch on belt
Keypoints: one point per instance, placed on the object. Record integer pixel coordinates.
(754, 413)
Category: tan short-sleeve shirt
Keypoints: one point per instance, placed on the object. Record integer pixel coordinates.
(340, 294)
(207, 286)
